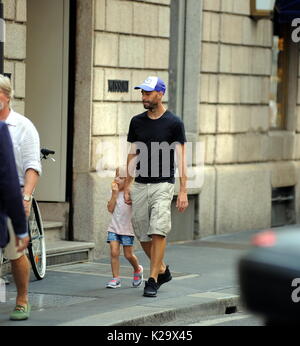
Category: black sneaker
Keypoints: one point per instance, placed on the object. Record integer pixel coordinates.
(165, 277)
(151, 288)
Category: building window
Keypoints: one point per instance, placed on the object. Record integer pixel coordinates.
(261, 8)
(279, 77)
(283, 206)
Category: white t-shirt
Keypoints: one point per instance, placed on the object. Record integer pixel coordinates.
(121, 217)
(26, 143)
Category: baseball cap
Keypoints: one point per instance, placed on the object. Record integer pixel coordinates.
(151, 84)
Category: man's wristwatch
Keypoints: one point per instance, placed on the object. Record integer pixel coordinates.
(27, 198)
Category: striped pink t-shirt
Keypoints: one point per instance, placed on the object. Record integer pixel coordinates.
(121, 217)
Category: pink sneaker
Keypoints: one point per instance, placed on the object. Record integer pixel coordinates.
(138, 277)
(114, 283)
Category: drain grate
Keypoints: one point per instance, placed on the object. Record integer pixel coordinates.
(230, 310)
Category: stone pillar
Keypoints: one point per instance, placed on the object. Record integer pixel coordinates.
(82, 182)
(15, 16)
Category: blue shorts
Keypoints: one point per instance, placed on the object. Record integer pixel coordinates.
(125, 240)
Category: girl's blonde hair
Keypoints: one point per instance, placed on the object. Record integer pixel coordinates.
(5, 86)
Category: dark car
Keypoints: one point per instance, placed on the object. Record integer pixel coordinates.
(269, 277)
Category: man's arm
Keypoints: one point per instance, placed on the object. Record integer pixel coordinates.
(114, 196)
(31, 163)
(30, 182)
(182, 199)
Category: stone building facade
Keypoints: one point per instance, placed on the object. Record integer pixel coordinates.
(15, 48)
(221, 90)
(125, 40)
(245, 159)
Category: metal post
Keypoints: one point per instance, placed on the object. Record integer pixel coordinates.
(192, 63)
(176, 62)
(184, 64)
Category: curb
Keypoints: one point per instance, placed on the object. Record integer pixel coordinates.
(220, 306)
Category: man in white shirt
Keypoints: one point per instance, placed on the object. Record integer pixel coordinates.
(26, 146)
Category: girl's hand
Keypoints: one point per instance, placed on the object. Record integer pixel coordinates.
(114, 187)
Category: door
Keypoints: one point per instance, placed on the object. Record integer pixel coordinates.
(47, 89)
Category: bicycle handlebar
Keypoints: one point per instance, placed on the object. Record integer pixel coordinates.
(46, 152)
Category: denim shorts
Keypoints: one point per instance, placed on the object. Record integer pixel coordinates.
(125, 240)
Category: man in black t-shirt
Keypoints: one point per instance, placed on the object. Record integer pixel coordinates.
(157, 136)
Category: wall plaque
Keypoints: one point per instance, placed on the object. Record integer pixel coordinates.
(118, 86)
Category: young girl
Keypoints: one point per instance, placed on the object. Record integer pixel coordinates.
(120, 231)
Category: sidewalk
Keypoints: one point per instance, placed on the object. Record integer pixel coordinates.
(204, 283)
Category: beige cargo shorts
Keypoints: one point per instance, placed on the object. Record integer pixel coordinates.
(151, 209)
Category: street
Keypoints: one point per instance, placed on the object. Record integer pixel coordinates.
(204, 281)
(204, 291)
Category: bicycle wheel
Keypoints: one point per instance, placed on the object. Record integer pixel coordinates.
(36, 247)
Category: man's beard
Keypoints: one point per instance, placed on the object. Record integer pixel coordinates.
(150, 106)
(1, 106)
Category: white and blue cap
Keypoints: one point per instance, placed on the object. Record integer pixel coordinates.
(153, 84)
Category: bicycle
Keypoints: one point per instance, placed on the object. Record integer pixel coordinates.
(37, 247)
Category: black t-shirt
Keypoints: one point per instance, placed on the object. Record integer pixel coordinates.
(156, 141)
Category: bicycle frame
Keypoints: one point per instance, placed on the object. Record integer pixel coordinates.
(37, 246)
